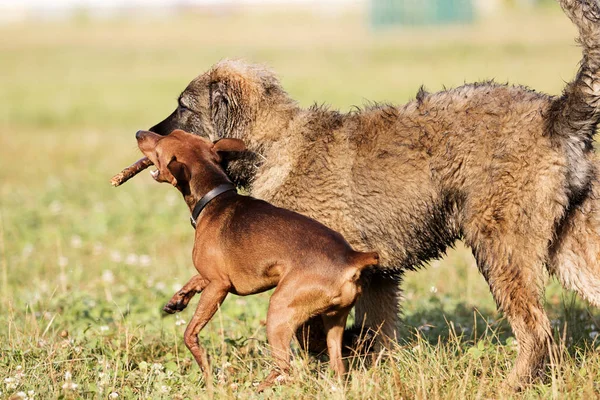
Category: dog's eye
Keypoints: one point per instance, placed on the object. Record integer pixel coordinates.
(183, 108)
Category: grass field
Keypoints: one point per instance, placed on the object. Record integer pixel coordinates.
(85, 268)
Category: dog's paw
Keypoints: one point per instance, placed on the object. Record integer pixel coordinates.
(172, 308)
(178, 302)
(274, 378)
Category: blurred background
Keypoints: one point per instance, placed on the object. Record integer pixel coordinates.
(383, 12)
(78, 78)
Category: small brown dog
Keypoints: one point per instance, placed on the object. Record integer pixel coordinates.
(246, 246)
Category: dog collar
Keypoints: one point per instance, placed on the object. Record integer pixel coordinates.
(203, 202)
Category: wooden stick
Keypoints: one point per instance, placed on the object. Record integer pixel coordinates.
(130, 171)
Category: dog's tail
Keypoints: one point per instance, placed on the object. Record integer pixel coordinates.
(577, 111)
(359, 261)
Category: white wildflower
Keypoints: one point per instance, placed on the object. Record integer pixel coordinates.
(179, 321)
(108, 276)
(55, 207)
(157, 368)
(70, 386)
(11, 383)
(113, 395)
(132, 259)
(19, 372)
(593, 334)
(63, 261)
(115, 256)
(25, 396)
(145, 260)
(103, 328)
(76, 242)
(433, 289)
(165, 389)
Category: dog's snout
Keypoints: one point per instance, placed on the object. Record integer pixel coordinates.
(147, 136)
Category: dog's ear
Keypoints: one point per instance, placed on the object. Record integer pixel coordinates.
(229, 148)
(222, 107)
(163, 174)
(179, 172)
(229, 107)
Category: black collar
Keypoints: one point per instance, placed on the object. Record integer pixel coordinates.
(203, 202)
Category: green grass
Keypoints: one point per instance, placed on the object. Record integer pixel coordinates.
(85, 268)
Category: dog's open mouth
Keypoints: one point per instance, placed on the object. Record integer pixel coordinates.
(132, 171)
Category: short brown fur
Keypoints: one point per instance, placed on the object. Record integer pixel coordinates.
(246, 246)
(509, 170)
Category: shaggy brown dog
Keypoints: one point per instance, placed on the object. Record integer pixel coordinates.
(508, 170)
(247, 246)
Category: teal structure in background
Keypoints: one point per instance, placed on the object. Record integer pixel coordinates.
(387, 13)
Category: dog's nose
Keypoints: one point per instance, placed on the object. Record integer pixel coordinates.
(139, 135)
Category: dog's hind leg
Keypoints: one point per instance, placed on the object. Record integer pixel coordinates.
(334, 327)
(575, 254)
(376, 322)
(513, 268)
(282, 321)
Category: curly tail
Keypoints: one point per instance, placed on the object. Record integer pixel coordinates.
(573, 117)
(577, 111)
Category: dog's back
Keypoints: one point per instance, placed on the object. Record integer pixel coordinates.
(256, 233)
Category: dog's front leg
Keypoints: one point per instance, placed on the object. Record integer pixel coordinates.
(212, 297)
(180, 300)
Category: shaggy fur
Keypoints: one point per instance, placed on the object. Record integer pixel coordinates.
(508, 170)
